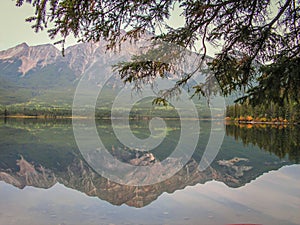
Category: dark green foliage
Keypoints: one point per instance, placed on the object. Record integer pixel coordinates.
(9, 71)
(282, 142)
(51, 142)
(49, 77)
(258, 41)
(279, 82)
(289, 111)
(49, 85)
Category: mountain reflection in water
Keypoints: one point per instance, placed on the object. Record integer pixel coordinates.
(41, 153)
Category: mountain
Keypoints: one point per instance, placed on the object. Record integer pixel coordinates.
(25, 60)
(42, 75)
(30, 58)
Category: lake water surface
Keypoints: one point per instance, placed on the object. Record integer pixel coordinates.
(44, 179)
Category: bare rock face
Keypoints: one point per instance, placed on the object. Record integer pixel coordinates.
(14, 52)
(232, 164)
(89, 60)
(31, 57)
(144, 160)
(29, 175)
(78, 57)
(81, 177)
(10, 179)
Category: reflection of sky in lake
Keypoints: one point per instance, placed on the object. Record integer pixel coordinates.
(273, 198)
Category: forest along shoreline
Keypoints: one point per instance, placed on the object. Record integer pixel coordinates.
(237, 114)
(271, 113)
(227, 121)
(257, 121)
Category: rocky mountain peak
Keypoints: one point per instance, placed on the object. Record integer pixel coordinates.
(14, 51)
(31, 56)
(79, 58)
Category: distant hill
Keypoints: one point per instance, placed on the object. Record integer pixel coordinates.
(40, 76)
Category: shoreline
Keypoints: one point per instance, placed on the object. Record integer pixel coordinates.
(100, 118)
(226, 121)
(261, 122)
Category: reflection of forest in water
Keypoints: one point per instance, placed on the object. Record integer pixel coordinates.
(41, 153)
(282, 140)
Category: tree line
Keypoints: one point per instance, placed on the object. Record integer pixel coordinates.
(272, 112)
(256, 42)
(31, 111)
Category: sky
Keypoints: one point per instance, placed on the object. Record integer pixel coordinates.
(14, 30)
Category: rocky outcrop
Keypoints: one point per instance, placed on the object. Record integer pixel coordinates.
(31, 57)
(29, 175)
(78, 57)
(233, 164)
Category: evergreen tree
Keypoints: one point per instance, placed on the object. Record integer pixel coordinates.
(258, 40)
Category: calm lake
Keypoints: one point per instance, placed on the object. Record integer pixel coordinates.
(44, 178)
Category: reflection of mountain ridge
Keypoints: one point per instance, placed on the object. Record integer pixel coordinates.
(52, 161)
(81, 177)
